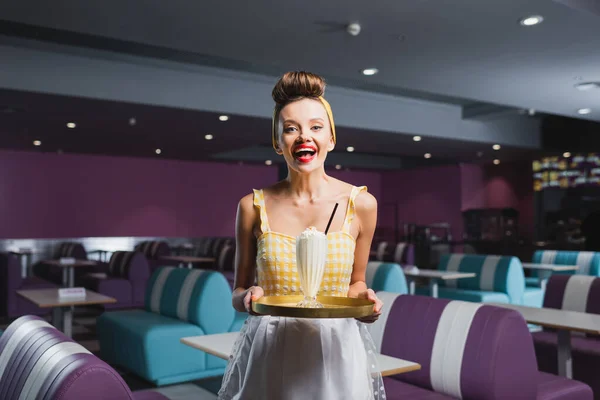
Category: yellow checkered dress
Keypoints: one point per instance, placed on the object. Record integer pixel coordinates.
(276, 256)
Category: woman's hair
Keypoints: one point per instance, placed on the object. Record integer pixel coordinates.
(297, 85)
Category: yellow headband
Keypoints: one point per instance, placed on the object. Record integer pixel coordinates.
(329, 116)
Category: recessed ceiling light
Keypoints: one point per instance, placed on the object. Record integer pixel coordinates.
(566, 154)
(37, 143)
(369, 71)
(417, 138)
(584, 111)
(338, 166)
(496, 161)
(496, 147)
(480, 154)
(587, 86)
(208, 137)
(532, 20)
(268, 162)
(158, 151)
(349, 149)
(427, 155)
(71, 125)
(223, 118)
(132, 121)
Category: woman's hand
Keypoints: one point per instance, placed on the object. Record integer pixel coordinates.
(369, 294)
(252, 294)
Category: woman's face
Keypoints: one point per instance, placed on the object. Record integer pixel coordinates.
(305, 135)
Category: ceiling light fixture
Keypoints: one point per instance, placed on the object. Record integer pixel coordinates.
(71, 125)
(132, 121)
(338, 166)
(566, 154)
(223, 118)
(268, 162)
(584, 111)
(369, 71)
(417, 138)
(158, 151)
(208, 137)
(532, 20)
(37, 143)
(427, 155)
(496, 161)
(496, 147)
(587, 86)
(349, 149)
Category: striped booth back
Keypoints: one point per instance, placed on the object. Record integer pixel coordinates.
(196, 296)
(466, 350)
(387, 277)
(153, 249)
(588, 261)
(573, 293)
(39, 362)
(71, 249)
(502, 274)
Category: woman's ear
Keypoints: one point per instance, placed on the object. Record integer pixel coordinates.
(278, 150)
(331, 145)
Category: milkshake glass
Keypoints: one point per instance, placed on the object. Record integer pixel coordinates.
(311, 257)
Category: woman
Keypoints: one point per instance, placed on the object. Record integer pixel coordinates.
(287, 358)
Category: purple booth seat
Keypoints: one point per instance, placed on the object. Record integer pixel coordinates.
(226, 263)
(574, 293)
(66, 249)
(153, 250)
(466, 351)
(38, 362)
(11, 304)
(126, 279)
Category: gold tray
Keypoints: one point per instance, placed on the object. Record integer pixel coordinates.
(333, 307)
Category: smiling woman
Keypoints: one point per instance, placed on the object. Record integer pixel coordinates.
(310, 358)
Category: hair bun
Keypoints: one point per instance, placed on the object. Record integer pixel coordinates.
(298, 84)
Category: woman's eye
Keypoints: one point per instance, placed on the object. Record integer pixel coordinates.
(317, 127)
(289, 129)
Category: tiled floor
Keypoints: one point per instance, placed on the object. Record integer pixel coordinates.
(84, 333)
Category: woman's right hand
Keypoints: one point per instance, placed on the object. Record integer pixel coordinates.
(253, 293)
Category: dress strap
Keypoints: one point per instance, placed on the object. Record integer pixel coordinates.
(350, 212)
(259, 202)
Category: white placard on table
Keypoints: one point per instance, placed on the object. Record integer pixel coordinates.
(70, 293)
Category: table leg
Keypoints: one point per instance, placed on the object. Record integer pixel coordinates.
(23, 260)
(565, 361)
(68, 321)
(71, 277)
(412, 286)
(433, 285)
(57, 318)
(65, 277)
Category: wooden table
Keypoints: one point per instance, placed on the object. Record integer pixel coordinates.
(68, 272)
(62, 308)
(545, 270)
(564, 322)
(434, 277)
(189, 260)
(220, 345)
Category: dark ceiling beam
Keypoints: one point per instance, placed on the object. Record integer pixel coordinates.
(485, 112)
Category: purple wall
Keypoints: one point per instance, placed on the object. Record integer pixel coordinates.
(440, 194)
(424, 196)
(56, 196)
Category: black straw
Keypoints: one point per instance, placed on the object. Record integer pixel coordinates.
(331, 218)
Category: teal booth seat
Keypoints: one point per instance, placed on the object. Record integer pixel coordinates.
(385, 277)
(498, 279)
(178, 303)
(588, 262)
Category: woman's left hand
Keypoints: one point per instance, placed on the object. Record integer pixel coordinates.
(369, 294)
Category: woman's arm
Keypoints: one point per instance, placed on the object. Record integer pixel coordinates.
(366, 212)
(245, 256)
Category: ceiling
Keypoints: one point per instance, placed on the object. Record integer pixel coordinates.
(104, 127)
(460, 51)
(465, 52)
